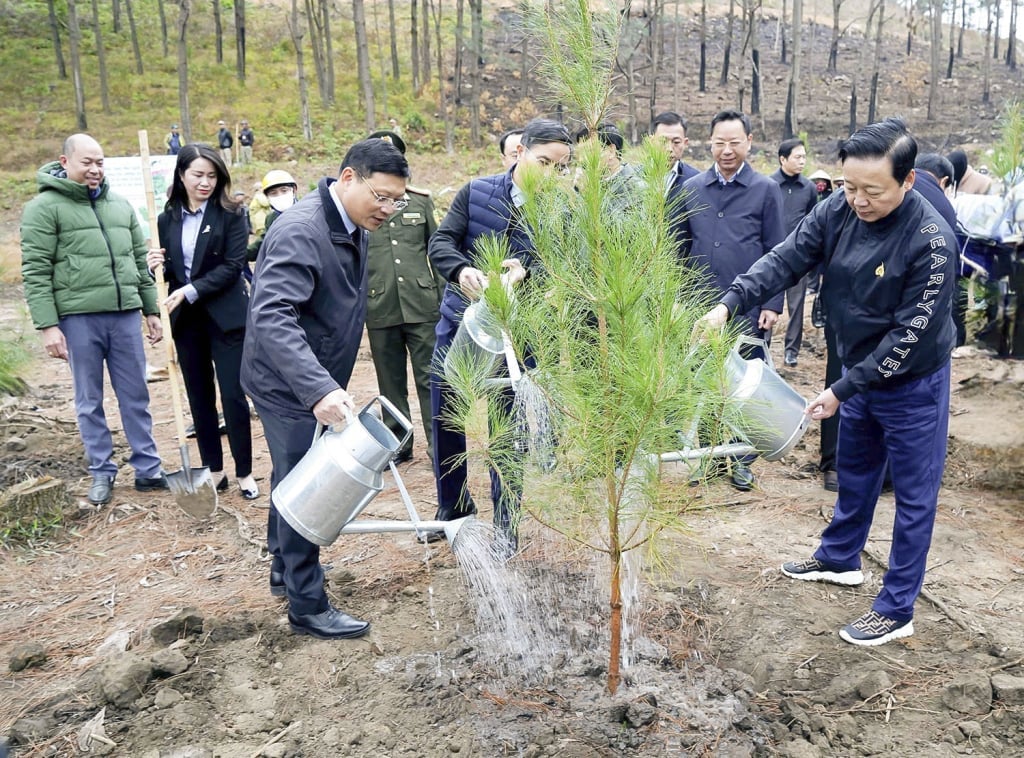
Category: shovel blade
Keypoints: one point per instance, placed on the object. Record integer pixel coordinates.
(194, 491)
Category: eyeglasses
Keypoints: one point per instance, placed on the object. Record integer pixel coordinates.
(383, 200)
(561, 168)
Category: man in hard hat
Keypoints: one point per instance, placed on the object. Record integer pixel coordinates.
(402, 309)
(279, 188)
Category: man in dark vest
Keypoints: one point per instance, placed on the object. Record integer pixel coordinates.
(485, 207)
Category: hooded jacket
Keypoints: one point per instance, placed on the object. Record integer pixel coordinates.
(82, 254)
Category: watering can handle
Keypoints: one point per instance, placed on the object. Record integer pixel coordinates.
(320, 427)
(396, 414)
(745, 339)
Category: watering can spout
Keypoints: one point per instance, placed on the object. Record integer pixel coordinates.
(451, 529)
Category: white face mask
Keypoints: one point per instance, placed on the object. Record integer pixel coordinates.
(283, 202)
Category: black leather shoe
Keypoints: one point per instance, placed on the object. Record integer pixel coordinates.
(277, 588)
(742, 478)
(102, 489)
(222, 485)
(150, 483)
(403, 456)
(790, 358)
(332, 624)
(830, 481)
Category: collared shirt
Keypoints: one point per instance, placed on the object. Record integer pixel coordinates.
(350, 226)
(191, 227)
(722, 179)
(518, 196)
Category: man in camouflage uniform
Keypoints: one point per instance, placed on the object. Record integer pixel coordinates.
(404, 295)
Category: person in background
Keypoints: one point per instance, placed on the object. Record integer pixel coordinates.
(173, 140)
(259, 207)
(799, 197)
(822, 183)
(890, 271)
(838, 181)
(225, 142)
(670, 129)
(246, 139)
(965, 178)
(508, 144)
(732, 216)
(621, 177)
(302, 337)
(281, 192)
(83, 264)
(482, 208)
(204, 236)
(402, 309)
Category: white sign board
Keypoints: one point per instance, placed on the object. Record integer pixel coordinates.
(125, 178)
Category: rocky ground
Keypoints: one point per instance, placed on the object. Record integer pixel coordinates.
(156, 634)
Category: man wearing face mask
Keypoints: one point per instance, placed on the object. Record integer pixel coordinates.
(280, 189)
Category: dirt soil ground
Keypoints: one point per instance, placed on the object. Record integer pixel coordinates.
(730, 659)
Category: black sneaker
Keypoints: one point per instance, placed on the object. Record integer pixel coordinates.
(814, 570)
(875, 629)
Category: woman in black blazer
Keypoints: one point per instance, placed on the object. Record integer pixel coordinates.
(205, 237)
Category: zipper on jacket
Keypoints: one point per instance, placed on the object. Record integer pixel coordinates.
(110, 252)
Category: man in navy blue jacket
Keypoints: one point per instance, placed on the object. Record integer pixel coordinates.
(732, 216)
(890, 271)
(484, 207)
(305, 323)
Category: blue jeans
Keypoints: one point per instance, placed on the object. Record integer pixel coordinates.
(115, 339)
(906, 425)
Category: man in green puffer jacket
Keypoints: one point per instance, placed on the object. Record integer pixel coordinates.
(83, 262)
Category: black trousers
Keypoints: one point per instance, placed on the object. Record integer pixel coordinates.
(830, 426)
(205, 353)
(288, 438)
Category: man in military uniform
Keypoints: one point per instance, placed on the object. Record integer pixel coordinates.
(404, 295)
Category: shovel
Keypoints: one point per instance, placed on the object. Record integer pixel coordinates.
(193, 488)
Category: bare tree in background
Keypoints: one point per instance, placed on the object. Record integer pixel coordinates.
(986, 59)
(833, 46)
(184, 10)
(952, 39)
(136, 51)
(724, 79)
(460, 51)
(62, 70)
(435, 9)
(476, 12)
(876, 64)
(963, 28)
(325, 16)
(101, 56)
(995, 29)
(218, 31)
(115, 10)
(300, 69)
(163, 25)
(414, 44)
(702, 77)
(1011, 38)
(363, 61)
(381, 60)
(791, 126)
(75, 40)
(780, 34)
(316, 44)
(935, 39)
(752, 12)
(425, 40)
(240, 40)
(655, 12)
(393, 34)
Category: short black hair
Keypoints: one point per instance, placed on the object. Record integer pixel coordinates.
(542, 131)
(883, 139)
(959, 160)
(504, 137)
(936, 165)
(668, 118)
(731, 115)
(786, 147)
(608, 134)
(371, 156)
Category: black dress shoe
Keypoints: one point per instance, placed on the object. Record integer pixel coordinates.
(277, 588)
(222, 485)
(830, 481)
(332, 624)
(102, 489)
(151, 483)
(742, 478)
(790, 358)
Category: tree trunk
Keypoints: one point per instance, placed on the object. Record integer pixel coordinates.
(425, 39)
(101, 56)
(936, 58)
(963, 28)
(163, 26)
(702, 84)
(675, 54)
(476, 11)
(724, 79)
(414, 39)
(656, 9)
(876, 64)
(853, 108)
(363, 61)
(780, 34)
(62, 70)
(995, 30)
(911, 25)
(240, 40)
(986, 59)
(115, 10)
(136, 51)
(393, 33)
(184, 10)
(75, 38)
(434, 7)
(952, 40)
(755, 60)
(524, 66)
(300, 69)
(792, 125)
(1011, 38)
(218, 32)
(833, 46)
(380, 57)
(316, 45)
(460, 50)
(325, 12)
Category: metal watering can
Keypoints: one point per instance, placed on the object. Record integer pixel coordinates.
(771, 413)
(342, 472)
(478, 341)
